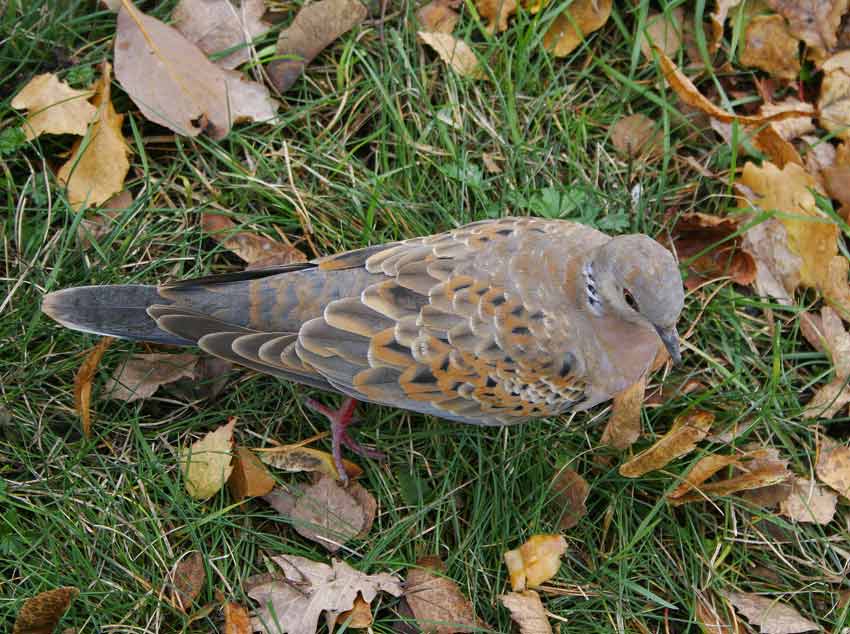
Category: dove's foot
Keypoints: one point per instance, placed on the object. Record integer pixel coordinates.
(340, 420)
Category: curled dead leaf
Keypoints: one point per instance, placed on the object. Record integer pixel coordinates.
(793, 127)
(296, 457)
(535, 561)
(527, 612)
(250, 478)
(206, 464)
(496, 12)
(83, 380)
(718, 20)
(579, 20)
(623, 427)
(41, 614)
(456, 53)
(687, 430)
(53, 107)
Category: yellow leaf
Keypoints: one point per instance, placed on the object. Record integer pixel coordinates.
(454, 52)
(535, 562)
(250, 477)
(569, 29)
(98, 163)
(438, 17)
(206, 464)
(53, 107)
(687, 430)
(769, 45)
(496, 12)
(294, 458)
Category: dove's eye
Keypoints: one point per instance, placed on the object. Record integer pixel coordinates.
(630, 299)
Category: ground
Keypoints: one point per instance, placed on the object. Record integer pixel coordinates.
(379, 141)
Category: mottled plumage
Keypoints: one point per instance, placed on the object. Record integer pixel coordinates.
(493, 323)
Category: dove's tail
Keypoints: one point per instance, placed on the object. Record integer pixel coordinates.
(117, 311)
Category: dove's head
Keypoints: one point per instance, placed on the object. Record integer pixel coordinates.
(636, 279)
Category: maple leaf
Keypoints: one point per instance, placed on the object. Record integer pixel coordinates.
(293, 604)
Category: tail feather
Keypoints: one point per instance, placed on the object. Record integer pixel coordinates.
(116, 311)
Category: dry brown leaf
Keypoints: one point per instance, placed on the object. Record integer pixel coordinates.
(98, 164)
(490, 163)
(813, 21)
(802, 255)
(436, 601)
(705, 467)
(833, 465)
(834, 396)
(295, 458)
(236, 619)
(328, 514)
(281, 499)
(357, 618)
(454, 52)
(769, 45)
(142, 375)
(663, 30)
(209, 378)
(41, 614)
(250, 247)
(794, 127)
(571, 492)
(99, 222)
(579, 20)
(809, 502)
(527, 612)
(189, 577)
(834, 99)
(637, 135)
(53, 107)
(836, 179)
(689, 94)
(83, 380)
(496, 12)
(206, 464)
(309, 588)
(836, 291)
(771, 616)
(218, 25)
(315, 27)
(535, 561)
(697, 233)
(438, 17)
(687, 430)
(708, 618)
(174, 84)
(623, 427)
(250, 477)
(718, 20)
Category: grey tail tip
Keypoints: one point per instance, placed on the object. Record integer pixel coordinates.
(114, 311)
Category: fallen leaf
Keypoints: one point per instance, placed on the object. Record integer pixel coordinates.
(637, 135)
(813, 21)
(769, 45)
(250, 478)
(174, 84)
(705, 467)
(218, 25)
(709, 620)
(663, 30)
(527, 611)
(295, 458)
(209, 378)
(707, 244)
(83, 380)
(535, 561)
(687, 430)
(206, 464)
(623, 427)
(718, 20)
(250, 247)
(834, 99)
(771, 616)
(281, 499)
(496, 12)
(809, 502)
(579, 20)
(490, 163)
(799, 254)
(41, 614)
(99, 162)
(571, 492)
(833, 465)
(454, 52)
(836, 180)
(438, 605)
(142, 375)
(793, 127)
(189, 577)
(98, 223)
(834, 396)
(437, 17)
(236, 619)
(315, 27)
(836, 291)
(53, 107)
(357, 618)
(294, 603)
(689, 94)
(328, 514)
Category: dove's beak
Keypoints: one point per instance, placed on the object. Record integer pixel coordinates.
(671, 341)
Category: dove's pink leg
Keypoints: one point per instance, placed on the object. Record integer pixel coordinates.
(340, 420)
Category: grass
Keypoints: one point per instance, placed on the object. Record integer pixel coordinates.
(383, 143)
